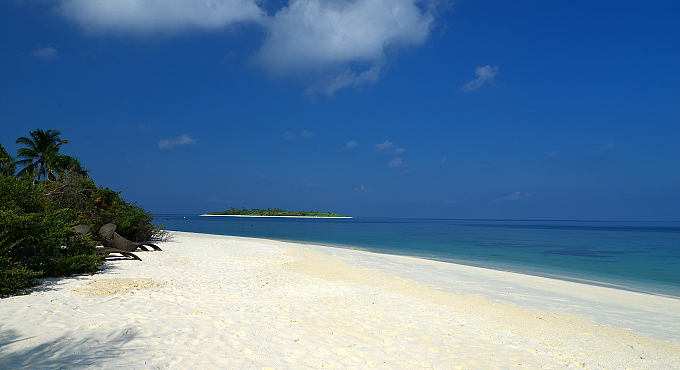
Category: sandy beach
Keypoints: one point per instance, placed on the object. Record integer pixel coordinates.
(222, 302)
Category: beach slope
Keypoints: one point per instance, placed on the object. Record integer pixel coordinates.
(221, 302)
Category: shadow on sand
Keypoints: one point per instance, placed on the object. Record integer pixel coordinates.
(65, 352)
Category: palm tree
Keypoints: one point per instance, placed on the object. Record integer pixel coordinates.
(7, 164)
(59, 165)
(36, 155)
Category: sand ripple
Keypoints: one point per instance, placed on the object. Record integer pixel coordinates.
(214, 302)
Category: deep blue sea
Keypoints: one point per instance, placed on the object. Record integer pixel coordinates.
(639, 256)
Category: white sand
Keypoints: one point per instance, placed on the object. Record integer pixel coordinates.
(219, 302)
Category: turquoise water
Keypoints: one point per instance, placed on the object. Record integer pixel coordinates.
(639, 256)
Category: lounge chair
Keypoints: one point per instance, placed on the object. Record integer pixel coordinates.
(106, 251)
(84, 229)
(111, 239)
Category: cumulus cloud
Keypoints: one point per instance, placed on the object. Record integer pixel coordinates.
(605, 148)
(389, 147)
(144, 17)
(45, 53)
(484, 74)
(386, 145)
(328, 44)
(330, 83)
(180, 140)
(362, 188)
(396, 162)
(515, 197)
(338, 43)
(290, 135)
(351, 144)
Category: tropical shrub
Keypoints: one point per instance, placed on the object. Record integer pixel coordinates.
(40, 208)
(47, 244)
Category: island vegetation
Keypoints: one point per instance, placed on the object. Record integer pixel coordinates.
(271, 212)
(42, 203)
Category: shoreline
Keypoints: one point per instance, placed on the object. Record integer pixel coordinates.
(587, 279)
(213, 301)
(534, 274)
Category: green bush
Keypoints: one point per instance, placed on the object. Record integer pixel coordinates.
(20, 194)
(37, 219)
(132, 221)
(14, 277)
(46, 243)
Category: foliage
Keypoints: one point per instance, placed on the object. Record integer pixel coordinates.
(15, 278)
(272, 212)
(46, 243)
(7, 164)
(40, 207)
(132, 221)
(39, 149)
(60, 165)
(36, 239)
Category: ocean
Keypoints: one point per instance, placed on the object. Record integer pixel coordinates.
(637, 256)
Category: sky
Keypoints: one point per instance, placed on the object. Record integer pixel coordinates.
(366, 108)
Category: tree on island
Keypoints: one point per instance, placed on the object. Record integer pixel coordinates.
(272, 212)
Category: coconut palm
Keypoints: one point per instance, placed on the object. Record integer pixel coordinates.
(36, 155)
(59, 165)
(7, 164)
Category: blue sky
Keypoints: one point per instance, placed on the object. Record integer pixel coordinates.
(467, 109)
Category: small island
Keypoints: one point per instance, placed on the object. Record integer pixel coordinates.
(276, 212)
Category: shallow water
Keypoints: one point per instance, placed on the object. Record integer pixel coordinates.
(640, 256)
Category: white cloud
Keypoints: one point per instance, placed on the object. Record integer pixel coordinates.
(484, 74)
(328, 44)
(351, 144)
(338, 43)
(386, 145)
(443, 160)
(289, 135)
(605, 148)
(331, 83)
(362, 188)
(144, 17)
(180, 140)
(554, 154)
(396, 162)
(515, 197)
(389, 147)
(45, 53)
